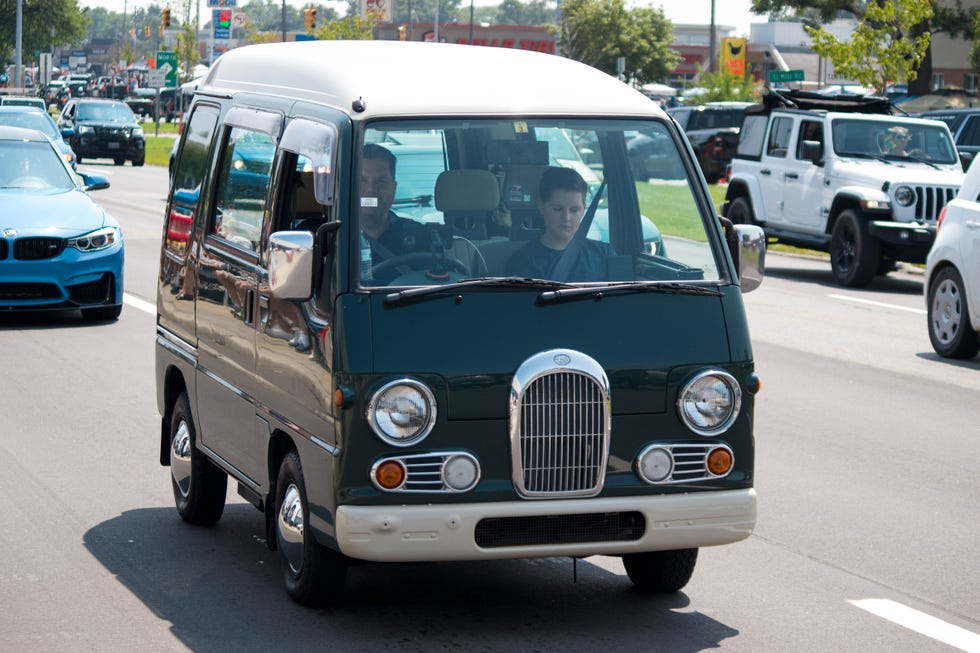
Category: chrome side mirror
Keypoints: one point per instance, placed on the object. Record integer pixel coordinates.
(751, 255)
(291, 265)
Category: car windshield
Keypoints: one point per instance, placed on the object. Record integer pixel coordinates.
(105, 112)
(715, 119)
(32, 165)
(448, 200)
(30, 120)
(893, 139)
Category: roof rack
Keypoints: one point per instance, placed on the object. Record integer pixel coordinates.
(793, 99)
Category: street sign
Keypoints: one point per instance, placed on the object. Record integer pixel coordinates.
(238, 19)
(785, 76)
(222, 3)
(156, 78)
(221, 23)
(167, 62)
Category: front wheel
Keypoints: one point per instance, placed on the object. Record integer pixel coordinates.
(199, 486)
(313, 574)
(119, 161)
(740, 211)
(950, 330)
(854, 254)
(661, 572)
(139, 162)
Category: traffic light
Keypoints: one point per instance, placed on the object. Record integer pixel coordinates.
(309, 17)
(146, 31)
(165, 17)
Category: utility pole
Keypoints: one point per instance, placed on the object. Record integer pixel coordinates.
(18, 44)
(713, 50)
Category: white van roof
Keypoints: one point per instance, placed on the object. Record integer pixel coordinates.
(395, 78)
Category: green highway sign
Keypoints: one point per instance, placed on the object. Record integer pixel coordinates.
(167, 62)
(785, 76)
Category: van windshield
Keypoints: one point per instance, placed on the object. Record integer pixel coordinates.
(569, 201)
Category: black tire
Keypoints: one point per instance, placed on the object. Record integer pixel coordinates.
(950, 330)
(101, 314)
(139, 162)
(854, 254)
(119, 161)
(313, 574)
(661, 572)
(78, 159)
(199, 485)
(740, 211)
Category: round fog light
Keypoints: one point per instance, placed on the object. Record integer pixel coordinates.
(389, 475)
(460, 473)
(656, 465)
(719, 461)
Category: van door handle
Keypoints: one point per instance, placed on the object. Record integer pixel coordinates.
(765, 171)
(263, 309)
(791, 175)
(249, 308)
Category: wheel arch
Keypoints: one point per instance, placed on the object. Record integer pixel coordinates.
(280, 444)
(173, 385)
(840, 204)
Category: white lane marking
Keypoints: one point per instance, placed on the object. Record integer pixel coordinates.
(140, 304)
(922, 623)
(858, 300)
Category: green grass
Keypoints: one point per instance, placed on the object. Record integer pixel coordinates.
(158, 150)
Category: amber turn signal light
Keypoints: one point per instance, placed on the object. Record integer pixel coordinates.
(719, 461)
(390, 474)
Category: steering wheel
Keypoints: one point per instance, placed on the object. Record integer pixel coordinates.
(418, 257)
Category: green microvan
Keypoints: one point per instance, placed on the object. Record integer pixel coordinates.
(419, 302)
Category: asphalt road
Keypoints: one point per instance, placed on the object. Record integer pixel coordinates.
(866, 473)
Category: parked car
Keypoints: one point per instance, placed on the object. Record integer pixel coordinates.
(713, 130)
(23, 101)
(965, 127)
(105, 129)
(34, 118)
(952, 282)
(141, 102)
(81, 84)
(59, 250)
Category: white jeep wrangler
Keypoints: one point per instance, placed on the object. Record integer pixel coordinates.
(844, 176)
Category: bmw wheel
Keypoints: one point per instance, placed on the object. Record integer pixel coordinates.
(950, 330)
(313, 574)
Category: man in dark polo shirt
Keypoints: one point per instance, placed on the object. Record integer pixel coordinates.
(381, 229)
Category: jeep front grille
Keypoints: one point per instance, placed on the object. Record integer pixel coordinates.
(559, 425)
(930, 200)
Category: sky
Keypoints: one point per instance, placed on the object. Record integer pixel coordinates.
(734, 13)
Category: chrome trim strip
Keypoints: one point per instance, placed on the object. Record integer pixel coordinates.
(177, 345)
(560, 416)
(275, 416)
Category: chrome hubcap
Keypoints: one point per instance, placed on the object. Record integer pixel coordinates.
(180, 459)
(290, 528)
(946, 314)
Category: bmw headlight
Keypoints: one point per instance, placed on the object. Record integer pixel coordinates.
(96, 240)
(904, 195)
(709, 403)
(402, 412)
(84, 130)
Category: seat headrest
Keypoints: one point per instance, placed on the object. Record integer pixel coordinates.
(521, 186)
(305, 196)
(467, 190)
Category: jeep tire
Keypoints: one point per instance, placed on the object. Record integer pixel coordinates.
(854, 254)
(740, 211)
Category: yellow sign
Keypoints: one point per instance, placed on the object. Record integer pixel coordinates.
(733, 56)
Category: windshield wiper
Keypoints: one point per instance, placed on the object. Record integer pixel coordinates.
(920, 159)
(598, 292)
(487, 282)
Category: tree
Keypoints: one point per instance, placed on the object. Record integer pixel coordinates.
(597, 32)
(534, 12)
(352, 28)
(722, 87)
(954, 21)
(44, 23)
(881, 50)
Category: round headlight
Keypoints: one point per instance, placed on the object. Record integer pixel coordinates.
(904, 195)
(655, 464)
(710, 402)
(460, 473)
(402, 412)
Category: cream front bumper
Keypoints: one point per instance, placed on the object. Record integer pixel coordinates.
(446, 531)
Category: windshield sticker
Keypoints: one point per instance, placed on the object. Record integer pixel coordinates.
(369, 202)
(520, 127)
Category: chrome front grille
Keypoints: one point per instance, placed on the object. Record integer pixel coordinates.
(559, 425)
(930, 200)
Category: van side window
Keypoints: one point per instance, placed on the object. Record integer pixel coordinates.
(188, 176)
(243, 184)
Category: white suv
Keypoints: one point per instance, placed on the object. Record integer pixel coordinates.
(952, 285)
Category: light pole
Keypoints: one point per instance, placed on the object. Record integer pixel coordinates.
(712, 51)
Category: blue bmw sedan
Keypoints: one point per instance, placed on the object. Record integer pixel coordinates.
(58, 249)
